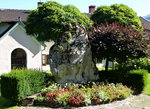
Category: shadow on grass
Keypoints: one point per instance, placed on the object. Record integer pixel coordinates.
(6, 104)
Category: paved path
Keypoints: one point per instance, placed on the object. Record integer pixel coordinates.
(134, 102)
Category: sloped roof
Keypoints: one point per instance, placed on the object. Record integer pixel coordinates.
(8, 28)
(12, 15)
(145, 23)
(13, 26)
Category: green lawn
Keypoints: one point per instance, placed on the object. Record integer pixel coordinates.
(103, 68)
(147, 87)
(5, 104)
(14, 107)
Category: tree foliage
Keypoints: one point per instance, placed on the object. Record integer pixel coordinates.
(51, 19)
(116, 13)
(115, 42)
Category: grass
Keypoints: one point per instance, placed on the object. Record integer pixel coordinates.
(5, 104)
(147, 87)
(14, 107)
(103, 68)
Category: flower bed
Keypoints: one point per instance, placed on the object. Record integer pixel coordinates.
(81, 95)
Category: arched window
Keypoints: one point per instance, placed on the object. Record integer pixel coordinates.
(18, 59)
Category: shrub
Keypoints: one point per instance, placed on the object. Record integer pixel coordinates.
(63, 98)
(112, 76)
(137, 79)
(76, 98)
(19, 83)
(118, 91)
(132, 64)
(49, 78)
(97, 93)
(52, 87)
(87, 95)
(98, 96)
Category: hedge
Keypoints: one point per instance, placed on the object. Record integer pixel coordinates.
(17, 84)
(137, 79)
(114, 76)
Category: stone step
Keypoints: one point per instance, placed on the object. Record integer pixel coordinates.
(28, 101)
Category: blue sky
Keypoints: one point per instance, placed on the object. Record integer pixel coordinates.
(141, 7)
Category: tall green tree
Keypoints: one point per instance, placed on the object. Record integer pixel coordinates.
(51, 19)
(116, 13)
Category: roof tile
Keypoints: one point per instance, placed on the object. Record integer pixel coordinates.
(145, 23)
(9, 15)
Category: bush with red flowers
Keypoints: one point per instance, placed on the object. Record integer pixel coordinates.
(76, 98)
(81, 95)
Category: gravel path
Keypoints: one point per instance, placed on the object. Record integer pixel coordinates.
(134, 102)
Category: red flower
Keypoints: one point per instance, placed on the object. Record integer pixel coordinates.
(95, 101)
(76, 98)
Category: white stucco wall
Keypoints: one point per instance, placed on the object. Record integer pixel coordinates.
(46, 51)
(17, 38)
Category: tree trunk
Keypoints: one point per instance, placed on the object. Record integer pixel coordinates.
(113, 65)
(106, 65)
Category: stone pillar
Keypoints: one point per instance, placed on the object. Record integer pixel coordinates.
(71, 58)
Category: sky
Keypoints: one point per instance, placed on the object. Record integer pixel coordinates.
(141, 7)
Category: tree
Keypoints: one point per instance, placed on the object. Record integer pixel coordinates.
(70, 56)
(51, 19)
(116, 13)
(119, 14)
(115, 42)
